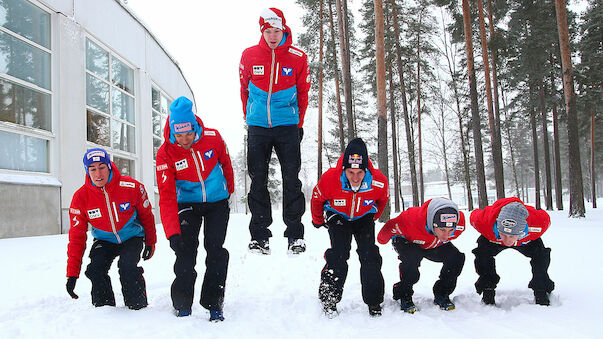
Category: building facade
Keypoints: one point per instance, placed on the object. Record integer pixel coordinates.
(75, 74)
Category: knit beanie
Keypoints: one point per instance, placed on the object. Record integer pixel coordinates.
(272, 18)
(512, 219)
(182, 119)
(96, 155)
(442, 212)
(355, 155)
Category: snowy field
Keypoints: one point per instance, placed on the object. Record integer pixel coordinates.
(276, 296)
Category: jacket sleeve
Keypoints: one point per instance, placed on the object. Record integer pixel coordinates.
(382, 201)
(146, 217)
(390, 229)
(303, 87)
(244, 77)
(317, 203)
(168, 202)
(477, 220)
(224, 160)
(78, 221)
(538, 218)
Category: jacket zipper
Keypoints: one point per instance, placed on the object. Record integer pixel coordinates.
(270, 89)
(353, 206)
(199, 173)
(111, 215)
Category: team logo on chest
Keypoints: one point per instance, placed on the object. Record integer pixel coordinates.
(208, 154)
(95, 213)
(368, 202)
(124, 206)
(258, 70)
(182, 164)
(339, 202)
(287, 71)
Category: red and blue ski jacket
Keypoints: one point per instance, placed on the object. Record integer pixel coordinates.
(484, 221)
(274, 84)
(116, 212)
(200, 174)
(333, 193)
(412, 225)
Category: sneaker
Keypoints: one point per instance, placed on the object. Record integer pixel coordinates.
(488, 296)
(183, 313)
(137, 307)
(259, 246)
(444, 302)
(296, 246)
(407, 305)
(375, 310)
(330, 310)
(215, 316)
(542, 298)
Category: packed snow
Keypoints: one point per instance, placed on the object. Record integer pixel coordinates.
(275, 296)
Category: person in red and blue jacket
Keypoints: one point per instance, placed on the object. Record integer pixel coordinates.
(119, 212)
(509, 223)
(275, 81)
(352, 195)
(426, 232)
(195, 180)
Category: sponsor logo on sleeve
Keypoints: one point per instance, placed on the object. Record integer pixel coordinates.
(339, 202)
(534, 229)
(74, 211)
(211, 133)
(94, 214)
(127, 184)
(258, 70)
(368, 202)
(420, 242)
(287, 71)
(162, 167)
(378, 184)
(181, 164)
(296, 52)
(124, 206)
(146, 203)
(208, 154)
(460, 228)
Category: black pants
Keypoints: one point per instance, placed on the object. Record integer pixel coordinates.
(216, 263)
(411, 254)
(540, 259)
(285, 140)
(334, 273)
(133, 285)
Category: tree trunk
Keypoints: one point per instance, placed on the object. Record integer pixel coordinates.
(477, 134)
(593, 174)
(576, 209)
(535, 149)
(421, 183)
(381, 97)
(556, 150)
(496, 150)
(344, 48)
(494, 77)
(508, 130)
(320, 79)
(336, 78)
(392, 111)
(410, 145)
(548, 197)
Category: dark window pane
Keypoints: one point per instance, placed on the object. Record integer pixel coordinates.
(123, 137)
(97, 94)
(98, 129)
(24, 106)
(122, 76)
(126, 166)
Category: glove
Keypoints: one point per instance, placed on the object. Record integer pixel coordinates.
(334, 219)
(320, 225)
(148, 252)
(399, 241)
(177, 243)
(301, 133)
(71, 286)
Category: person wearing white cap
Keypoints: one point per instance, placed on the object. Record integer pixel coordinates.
(509, 223)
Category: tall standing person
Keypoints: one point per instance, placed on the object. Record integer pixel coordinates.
(119, 212)
(275, 81)
(195, 180)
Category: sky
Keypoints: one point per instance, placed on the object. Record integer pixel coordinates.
(207, 40)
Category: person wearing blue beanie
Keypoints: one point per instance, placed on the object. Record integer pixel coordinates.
(182, 119)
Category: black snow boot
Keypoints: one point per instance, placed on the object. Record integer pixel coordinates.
(542, 298)
(488, 296)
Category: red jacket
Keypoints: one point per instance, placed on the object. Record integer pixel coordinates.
(484, 221)
(333, 193)
(200, 174)
(412, 225)
(274, 84)
(117, 212)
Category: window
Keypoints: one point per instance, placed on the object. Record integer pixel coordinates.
(110, 105)
(25, 92)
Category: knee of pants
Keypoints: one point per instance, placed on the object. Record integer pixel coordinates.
(335, 257)
(217, 254)
(370, 256)
(458, 259)
(96, 269)
(133, 270)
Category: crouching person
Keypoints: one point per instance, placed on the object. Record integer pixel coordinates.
(118, 209)
(195, 180)
(426, 232)
(508, 223)
(352, 195)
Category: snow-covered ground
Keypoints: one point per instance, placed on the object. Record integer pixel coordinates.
(276, 296)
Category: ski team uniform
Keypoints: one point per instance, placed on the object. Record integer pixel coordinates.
(358, 211)
(121, 219)
(274, 93)
(530, 245)
(414, 240)
(195, 184)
